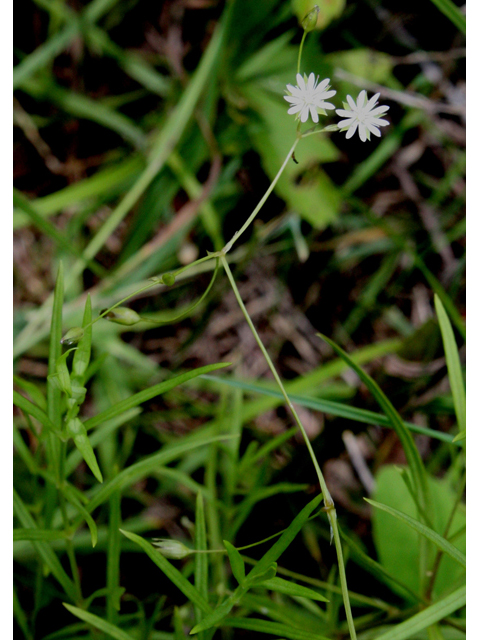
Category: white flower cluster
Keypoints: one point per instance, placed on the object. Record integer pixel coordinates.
(308, 99)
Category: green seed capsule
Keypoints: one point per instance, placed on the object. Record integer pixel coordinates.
(122, 315)
(72, 336)
(171, 548)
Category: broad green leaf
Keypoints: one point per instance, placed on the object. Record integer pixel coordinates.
(370, 64)
(99, 623)
(453, 364)
(149, 393)
(76, 430)
(329, 10)
(292, 589)
(429, 616)
(405, 437)
(171, 572)
(236, 562)
(390, 534)
(441, 543)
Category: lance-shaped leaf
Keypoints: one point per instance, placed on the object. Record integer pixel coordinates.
(292, 589)
(429, 533)
(76, 430)
(236, 562)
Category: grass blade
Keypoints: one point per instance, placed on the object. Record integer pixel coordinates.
(427, 617)
(44, 551)
(149, 393)
(453, 365)
(403, 434)
(32, 410)
(201, 559)
(286, 538)
(171, 572)
(99, 623)
(37, 534)
(331, 407)
(274, 628)
(292, 589)
(429, 533)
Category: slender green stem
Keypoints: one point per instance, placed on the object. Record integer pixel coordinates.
(238, 233)
(300, 51)
(327, 499)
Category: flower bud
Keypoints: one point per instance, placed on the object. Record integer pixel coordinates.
(122, 315)
(168, 279)
(171, 548)
(72, 336)
(310, 20)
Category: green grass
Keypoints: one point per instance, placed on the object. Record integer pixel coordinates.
(144, 140)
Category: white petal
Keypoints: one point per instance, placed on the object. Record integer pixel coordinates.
(291, 99)
(325, 105)
(362, 132)
(346, 123)
(323, 84)
(352, 130)
(304, 113)
(375, 130)
(352, 104)
(328, 94)
(378, 122)
(313, 113)
(301, 82)
(345, 114)
(362, 97)
(372, 102)
(295, 109)
(378, 111)
(311, 82)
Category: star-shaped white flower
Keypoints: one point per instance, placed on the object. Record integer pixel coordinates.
(308, 98)
(364, 115)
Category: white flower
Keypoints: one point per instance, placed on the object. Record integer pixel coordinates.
(308, 98)
(364, 115)
(171, 548)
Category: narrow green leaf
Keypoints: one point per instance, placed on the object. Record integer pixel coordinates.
(32, 410)
(81, 358)
(201, 559)
(145, 467)
(285, 539)
(427, 617)
(178, 625)
(453, 13)
(292, 589)
(274, 628)
(453, 365)
(149, 393)
(99, 623)
(76, 430)
(171, 572)
(326, 406)
(37, 534)
(43, 548)
(68, 492)
(236, 562)
(403, 434)
(33, 391)
(55, 350)
(441, 542)
(260, 578)
(219, 614)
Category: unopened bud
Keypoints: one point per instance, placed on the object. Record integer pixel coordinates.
(72, 336)
(310, 20)
(168, 279)
(171, 548)
(122, 315)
